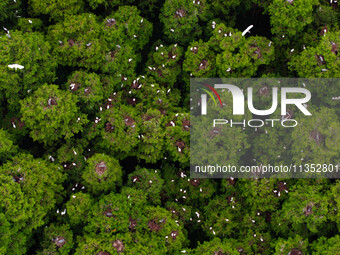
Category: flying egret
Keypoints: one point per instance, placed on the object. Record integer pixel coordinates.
(247, 30)
(16, 66)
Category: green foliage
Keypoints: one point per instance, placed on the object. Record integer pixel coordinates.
(306, 207)
(321, 61)
(9, 10)
(108, 4)
(78, 208)
(119, 129)
(7, 148)
(30, 25)
(230, 143)
(325, 246)
(335, 192)
(102, 174)
(15, 211)
(189, 191)
(225, 9)
(52, 114)
(225, 220)
(293, 244)
(127, 25)
(289, 17)
(29, 190)
(89, 89)
(39, 181)
(267, 200)
(71, 156)
(177, 132)
(70, 38)
(200, 60)
(56, 240)
(149, 182)
(242, 56)
(216, 246)
(149, 95)
(31, 51)
(111, 214)
(180, 19)
(316, 138)
(152, 137)
(164, 64)
(56, 9)
(100, 162)
(273, 145)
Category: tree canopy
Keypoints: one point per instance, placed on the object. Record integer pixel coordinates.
(97, 121)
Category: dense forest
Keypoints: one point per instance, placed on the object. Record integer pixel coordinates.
(95, 127)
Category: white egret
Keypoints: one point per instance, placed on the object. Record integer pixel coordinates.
(247, 30)
(16, 66)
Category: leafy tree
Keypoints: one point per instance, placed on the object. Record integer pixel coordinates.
(222, 216)
(307, 208)
(184, 215)
(56, 9)
(241, 57)
(145, 93)
(31, 51)
(288, 18)
(326, 246)
(13, 216)
(335, 189)
(321, 61)
(126, 217)
(292, 245)
(39, 181)
(99, 163)
(7, 147)
(219, 32)
(111, 214)
(9, 10)
(203, 133)
(180, 19)
(57, 240)
(200, 60)
(177, 131)
(102, 174)
(89, 89)
(72, 157)
(127, 25)
(148, 181)
(35, 187)
(78, 208)
(70, 38)
(178, 187)
(79, 41)
(164, 64)
(273, 145)
(315, 139)
(119, 129)
(28, 25)
(108, 4)
(268, 192)
(152, 137)
(225, 9)
(52, 114)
